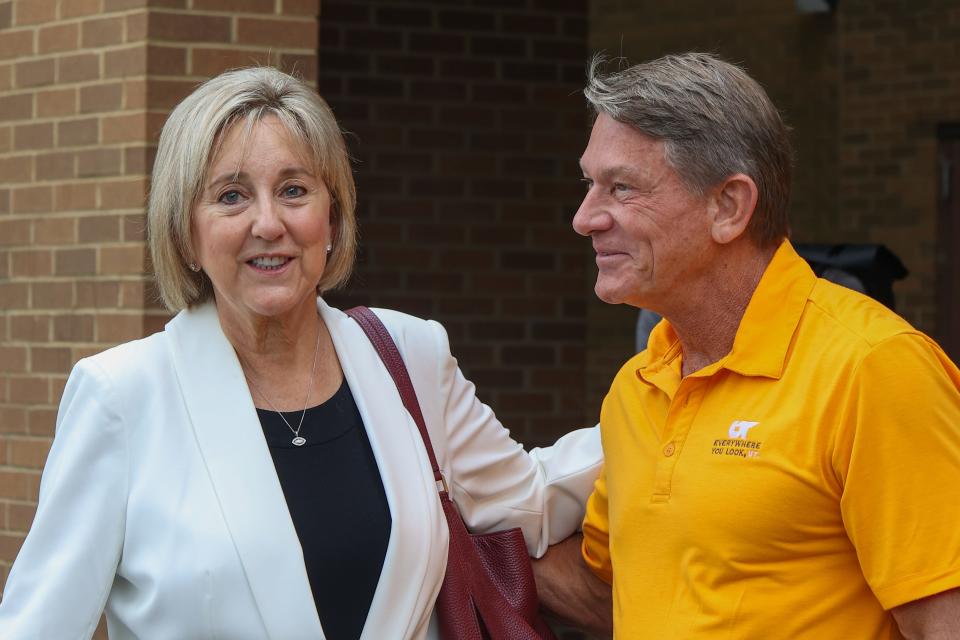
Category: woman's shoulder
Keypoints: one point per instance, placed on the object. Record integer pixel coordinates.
(129, 360)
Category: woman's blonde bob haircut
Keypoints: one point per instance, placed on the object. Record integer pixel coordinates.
(189, 143)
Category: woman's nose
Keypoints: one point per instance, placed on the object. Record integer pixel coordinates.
(268, 221)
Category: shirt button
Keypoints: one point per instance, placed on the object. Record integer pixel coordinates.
(669, 449)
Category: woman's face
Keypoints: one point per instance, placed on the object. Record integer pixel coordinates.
(262, 224)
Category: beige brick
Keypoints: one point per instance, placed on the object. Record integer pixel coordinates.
(101, 32)
(134, 228)
(20, 516)
(16, 44)
(50, 359)
(300, 7)
(32, 199)
(137, 27)
(122, 260)
(42, 422)
(124, 5)
(13, 420)
(166, 61)
(56, 103)
(211, 61)
(73, 328)
(301, 66)
(29, 389)
(135, 94)
(78, 68)
(132, 295)
(34, 73)
(98, 295)
(27, 452)
(183, 27)
(235, 6)
(58, 37)
(78, 8)
(6, 77)
(4, 275)
(6, 139)
(56, 166)
(51, 295)
(116, 328)
(138, 160)
(13, 359)
(30, 328)
(33, 136)
(55, 230)
(130, 127)
(76, 133)
(99, 162)
(16, 169)
(75, 262)
(32, 263)
(6, 15)
(98, 229)
(16, 107)
(17, 485)
(101, 97)
(75, 197)
(4, 201)
(283, 34)
(14, 232)
(14, 295)
(166, 94)
(126, 194)
(130, 61)
(28, 12)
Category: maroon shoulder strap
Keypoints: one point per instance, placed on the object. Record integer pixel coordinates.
(388, 352)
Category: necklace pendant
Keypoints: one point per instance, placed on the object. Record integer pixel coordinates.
(299, 441)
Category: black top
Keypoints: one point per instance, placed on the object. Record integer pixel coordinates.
(338, 506)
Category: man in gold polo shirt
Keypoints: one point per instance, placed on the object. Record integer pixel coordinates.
(783, 460)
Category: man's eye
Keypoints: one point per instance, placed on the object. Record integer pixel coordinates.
(619, 186)
(293, 191)
(587, 183)
(230, 197)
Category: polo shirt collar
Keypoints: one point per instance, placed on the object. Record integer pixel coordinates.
(766, 329)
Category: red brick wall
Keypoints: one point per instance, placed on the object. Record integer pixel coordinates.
(466, 124)
(85, 86)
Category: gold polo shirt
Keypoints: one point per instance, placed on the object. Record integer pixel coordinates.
(798, 488)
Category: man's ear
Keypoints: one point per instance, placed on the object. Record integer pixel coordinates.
(732, 207)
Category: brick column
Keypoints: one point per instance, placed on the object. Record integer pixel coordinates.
(85, 86)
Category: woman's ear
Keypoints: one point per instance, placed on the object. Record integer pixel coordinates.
(734, 202)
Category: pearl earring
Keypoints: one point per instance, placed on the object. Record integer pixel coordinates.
(194, 267)
(329, 248)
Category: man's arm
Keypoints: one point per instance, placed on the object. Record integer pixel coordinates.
(570, 591)
(936, 617)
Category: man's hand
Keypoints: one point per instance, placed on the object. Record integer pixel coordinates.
(936, 617)
(570, 591)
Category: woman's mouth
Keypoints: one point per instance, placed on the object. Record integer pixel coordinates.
(269, 263)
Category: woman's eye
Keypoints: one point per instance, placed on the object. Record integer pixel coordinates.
(293, 191)
(230, 197)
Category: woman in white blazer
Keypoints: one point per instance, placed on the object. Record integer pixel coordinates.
(228, 476)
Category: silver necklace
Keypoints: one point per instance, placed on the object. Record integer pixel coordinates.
(298, 440)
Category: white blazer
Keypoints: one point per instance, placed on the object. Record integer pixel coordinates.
(159, 502)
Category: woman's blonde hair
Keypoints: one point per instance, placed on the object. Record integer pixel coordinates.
(189, 142)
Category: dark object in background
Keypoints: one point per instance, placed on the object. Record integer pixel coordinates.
(875, 266)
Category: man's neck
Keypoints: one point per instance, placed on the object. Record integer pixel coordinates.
(706, 320)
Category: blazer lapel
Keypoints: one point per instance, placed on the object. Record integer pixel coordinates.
(416, 553)
(231, 442)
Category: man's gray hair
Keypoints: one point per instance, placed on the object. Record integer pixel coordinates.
(714, 121)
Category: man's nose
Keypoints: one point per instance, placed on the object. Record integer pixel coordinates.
(591, 216)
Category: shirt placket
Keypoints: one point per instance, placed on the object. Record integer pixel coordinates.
(680, 417)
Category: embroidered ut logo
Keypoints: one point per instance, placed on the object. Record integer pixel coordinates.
(739, 429)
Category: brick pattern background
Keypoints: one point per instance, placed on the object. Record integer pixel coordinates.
(466, 123)
(85, 86)
(863, 90)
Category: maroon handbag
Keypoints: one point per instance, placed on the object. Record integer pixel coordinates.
(488, 591)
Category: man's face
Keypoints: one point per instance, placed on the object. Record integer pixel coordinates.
(651, 234)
